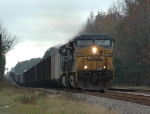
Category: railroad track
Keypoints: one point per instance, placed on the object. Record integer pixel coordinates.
(134, 98)
(123, 96)
(130, 90)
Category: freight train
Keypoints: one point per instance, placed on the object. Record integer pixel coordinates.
(86, 62)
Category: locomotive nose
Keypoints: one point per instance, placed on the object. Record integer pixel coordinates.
(95, 79)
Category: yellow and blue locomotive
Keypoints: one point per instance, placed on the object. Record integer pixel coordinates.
(87, 62)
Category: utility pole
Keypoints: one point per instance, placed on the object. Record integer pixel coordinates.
(0, 55)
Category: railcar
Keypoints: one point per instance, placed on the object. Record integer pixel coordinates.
(86, 62)
(17, 77)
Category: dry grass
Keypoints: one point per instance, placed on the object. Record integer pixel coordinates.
(28, 101)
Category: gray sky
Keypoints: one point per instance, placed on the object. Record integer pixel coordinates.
(41, 24)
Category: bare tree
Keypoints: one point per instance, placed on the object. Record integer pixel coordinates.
(8, 41)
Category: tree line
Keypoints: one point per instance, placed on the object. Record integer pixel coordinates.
(128, 23)
(20, 67)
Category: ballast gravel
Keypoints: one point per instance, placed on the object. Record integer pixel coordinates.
(123, 107)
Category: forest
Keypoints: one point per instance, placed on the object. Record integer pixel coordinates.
(128, 23)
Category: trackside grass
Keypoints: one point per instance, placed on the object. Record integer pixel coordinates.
(30, 101)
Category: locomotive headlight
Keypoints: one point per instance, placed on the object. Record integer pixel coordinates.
(104, 67)
(85, 67)
(94, 50)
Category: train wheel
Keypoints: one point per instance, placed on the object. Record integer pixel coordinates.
(72, 81)
(65, 81)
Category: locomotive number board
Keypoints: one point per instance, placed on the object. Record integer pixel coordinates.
(80, 54)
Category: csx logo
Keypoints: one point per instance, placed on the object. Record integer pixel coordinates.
(94, 58)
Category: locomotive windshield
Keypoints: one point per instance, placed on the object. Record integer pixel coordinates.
(84, 42)
(96, 42)
(103, 42)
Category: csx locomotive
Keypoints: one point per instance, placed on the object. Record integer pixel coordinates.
(86, 62)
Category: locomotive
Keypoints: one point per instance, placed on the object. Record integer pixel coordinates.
(86, 62)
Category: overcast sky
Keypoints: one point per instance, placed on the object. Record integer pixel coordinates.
(41, 24)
